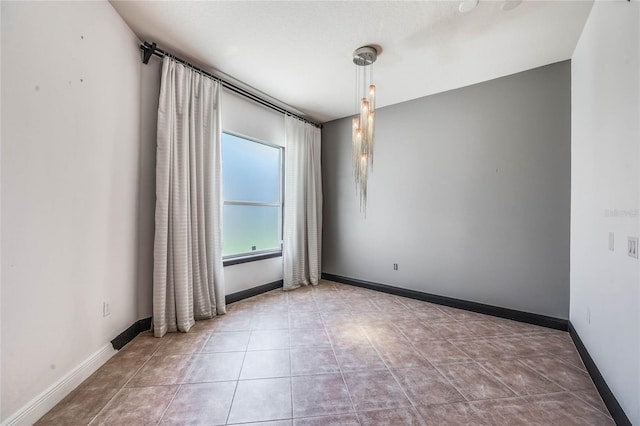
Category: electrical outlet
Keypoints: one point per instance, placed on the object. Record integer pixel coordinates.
(395, 266)
(106, 309)
(611, 241)
(632, 247)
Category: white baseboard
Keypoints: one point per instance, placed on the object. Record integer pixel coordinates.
(41, 404)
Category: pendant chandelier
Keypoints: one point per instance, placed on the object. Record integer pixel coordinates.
(364, 121)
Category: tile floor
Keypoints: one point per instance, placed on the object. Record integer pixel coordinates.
(341, 355)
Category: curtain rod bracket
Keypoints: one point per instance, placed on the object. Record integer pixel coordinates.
(147, 52)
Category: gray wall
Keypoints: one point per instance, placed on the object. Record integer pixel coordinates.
(470, 194)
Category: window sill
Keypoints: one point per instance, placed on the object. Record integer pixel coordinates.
(250, 258)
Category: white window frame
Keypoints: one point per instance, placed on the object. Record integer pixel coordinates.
(251, 256)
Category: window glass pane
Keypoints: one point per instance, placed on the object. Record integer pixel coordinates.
(246, 227)
(250, 171)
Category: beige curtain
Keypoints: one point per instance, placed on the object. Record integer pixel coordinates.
(188, 276)
(302, 230)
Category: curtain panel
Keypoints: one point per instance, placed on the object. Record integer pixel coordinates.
(302, 230)
(188, 282)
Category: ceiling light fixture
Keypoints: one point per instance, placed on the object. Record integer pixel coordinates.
(467, 6)
(364, 121)
(510, 5)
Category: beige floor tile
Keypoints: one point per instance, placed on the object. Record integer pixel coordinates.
(308, 337)
(261, 400)
(79, 407)
(143, 345)
(320, 395)
(215, 367)
(230, 341)
(552, 409)
(162, 370)
(426, 386)
(479, 349)
(452, 330)
(383, 333)
(136, 406)
(358, 357)
(239, 322)
(442, 352)
(202, 403)
(399, 416)
(181, 343)
(432, 316)
(416, 332)
(401, 355)
(314, 355)
(565, 375)
(519, 378)
(305, 320)
(375, 390)
(268, 339)
(278, 321)
(473, 382)
(592, 397)
(305, 361)
(206, 326)
(337, 420)
(456, 414)
(346, 334)
(266, 364)
(115, 373)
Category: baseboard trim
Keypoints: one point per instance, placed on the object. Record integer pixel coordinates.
(41, 404)
(244, 294)
(130, 333)
(496, 311)
(616, 411)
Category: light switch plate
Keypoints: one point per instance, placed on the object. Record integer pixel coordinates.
(632, 247)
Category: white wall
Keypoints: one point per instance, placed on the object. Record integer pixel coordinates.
(150, 82)
(605, 160)
(247, 118)
(469, 194)
(70, 176)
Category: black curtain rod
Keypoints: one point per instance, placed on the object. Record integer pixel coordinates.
(149, 49)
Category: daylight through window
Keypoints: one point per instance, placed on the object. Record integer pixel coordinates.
(252, 191)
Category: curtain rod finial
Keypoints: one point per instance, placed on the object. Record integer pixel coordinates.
(147, 52)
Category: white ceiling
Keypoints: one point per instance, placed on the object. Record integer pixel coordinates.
(301, 52)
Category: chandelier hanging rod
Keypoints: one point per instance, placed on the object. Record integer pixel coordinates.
(150, 49)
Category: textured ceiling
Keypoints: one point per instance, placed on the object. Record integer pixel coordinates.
(300, 52)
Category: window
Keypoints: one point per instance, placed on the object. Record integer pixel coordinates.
(252, 193)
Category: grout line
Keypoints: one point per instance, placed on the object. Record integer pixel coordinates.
(438, 369)
(497, 379)
(169, 404)
(389, 370)
(290, 362)
(102, 409)
(235, 390)
(591, 404)
(543, 374)
(344, 381)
